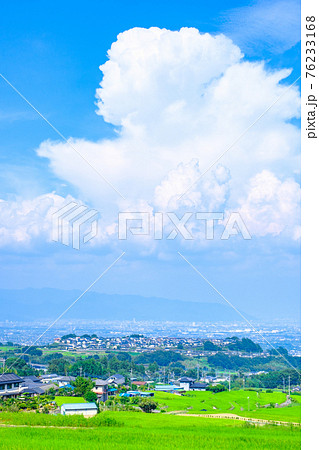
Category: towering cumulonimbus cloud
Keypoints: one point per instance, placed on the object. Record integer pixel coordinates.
(179, 101)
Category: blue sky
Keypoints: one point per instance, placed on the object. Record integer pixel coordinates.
(52, 56)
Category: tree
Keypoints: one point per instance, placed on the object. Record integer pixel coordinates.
(33, 351)
(244, 345)
(19, 366)
(279, 351)
(192, 373)
(147, 405)
(51, 392)
(90, 396)
(59, 366)
(82, 386)
(217, 388)
(124, 356)
(208, 345)
(89, 367)
(161, 357)
(68, 336)
(51, 356)
(153, 367)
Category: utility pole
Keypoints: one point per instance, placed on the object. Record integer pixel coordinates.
(283, 383)
(164, 376)
(248, 403)
(80, 371)
(197, 372)
(229, 382)
(289, 385)
(244, 382)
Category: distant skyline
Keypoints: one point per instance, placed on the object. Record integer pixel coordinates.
(181, 82)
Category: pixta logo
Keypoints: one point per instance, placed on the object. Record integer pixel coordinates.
(147, 224)
(74, 225)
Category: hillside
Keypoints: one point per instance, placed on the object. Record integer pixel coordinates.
(35, 304)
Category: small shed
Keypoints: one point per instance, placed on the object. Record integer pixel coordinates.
(86, 409)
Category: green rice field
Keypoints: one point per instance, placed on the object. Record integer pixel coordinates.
(233, 402)
(149, 431)
(61, 400)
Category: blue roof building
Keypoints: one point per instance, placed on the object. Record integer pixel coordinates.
(86, 409)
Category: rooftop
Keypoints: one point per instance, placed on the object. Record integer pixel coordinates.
(77, 406)
(198, 385)
(10, 378)
(99, 382)
(32, 378)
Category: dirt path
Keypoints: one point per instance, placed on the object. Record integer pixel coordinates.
(10, 425)
(236, 417)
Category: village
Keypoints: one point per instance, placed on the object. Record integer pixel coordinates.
(189, 346)
(75, 373)
(26, 388)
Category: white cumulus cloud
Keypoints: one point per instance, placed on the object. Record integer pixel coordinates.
(24, 221)
(272, 206)
(180, 99)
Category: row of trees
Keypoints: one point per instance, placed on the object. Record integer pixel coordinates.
(234, 362)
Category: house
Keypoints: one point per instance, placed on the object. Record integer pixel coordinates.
(168, 388)
(67, 386)
(139, 383)
(137, 394)
(198, 386)
(31, 379)
(116, 379)
(32, 386)
(130, 394)
(43, 367)
(51, 378)
(65, 380)
(85, 409)
(296, 389)
(101, 390)
(146, 394)
(10, 385)
(47, 386)
(208, 379)
(33, 389)
(189, 384)
(185, 383)
(112, 391)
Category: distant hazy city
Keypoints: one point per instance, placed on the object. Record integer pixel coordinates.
(286, 334)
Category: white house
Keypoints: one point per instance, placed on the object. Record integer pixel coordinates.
(51, 378)
(101, 390)
(65, 380)
(86, 409)
(10, 385)
(189, 384)
(185, 383)
(116, 379)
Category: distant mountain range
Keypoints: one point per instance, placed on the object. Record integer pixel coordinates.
(37, 304)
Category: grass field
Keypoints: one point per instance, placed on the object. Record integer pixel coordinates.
(234, 402)
(149, 431)
(6, 348)
(61, 400)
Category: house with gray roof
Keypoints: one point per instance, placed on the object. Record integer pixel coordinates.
(116, 379)
(189, 384)
(10, 385)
